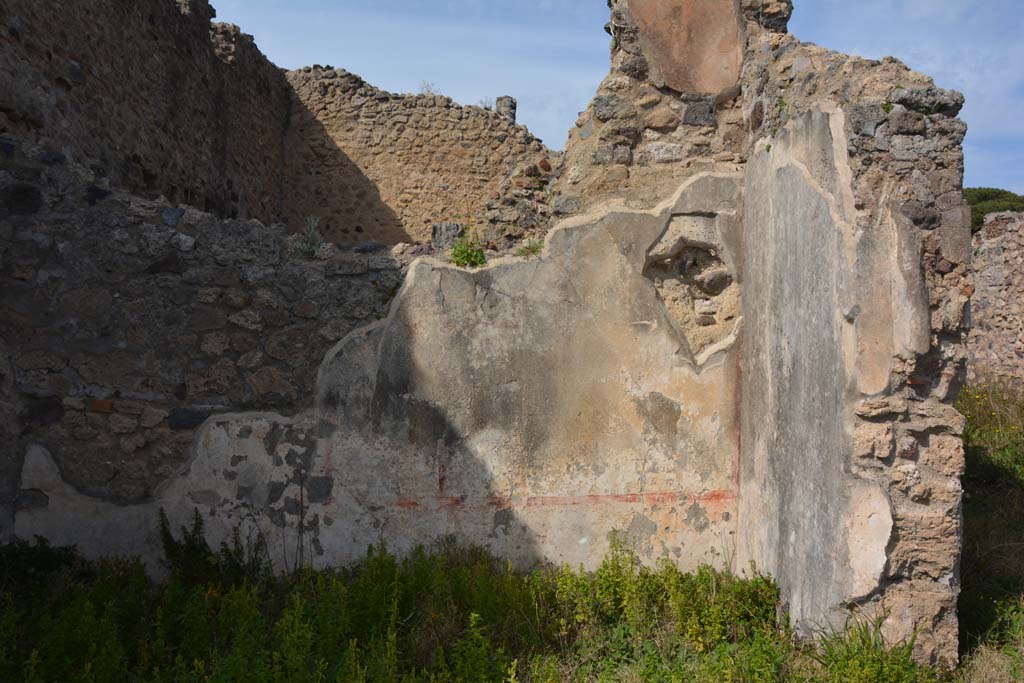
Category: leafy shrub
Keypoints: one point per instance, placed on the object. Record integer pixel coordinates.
(859, 654)
(467, 252)
(448, 615)
(986, 200)
(192, 561)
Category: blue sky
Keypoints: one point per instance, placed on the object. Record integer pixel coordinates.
(551, 54)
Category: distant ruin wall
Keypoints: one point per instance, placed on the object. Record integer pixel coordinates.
(997, 310)
(382, 166)
(149, 95)
(157, 100)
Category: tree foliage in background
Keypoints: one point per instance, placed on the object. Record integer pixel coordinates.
(986, 200)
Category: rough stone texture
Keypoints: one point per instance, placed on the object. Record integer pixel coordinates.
(149, 94)
(10, 456)
(381, 166)
(162, 103)
(997, 310)
(576, 436)
(638, 141)
(127, 322)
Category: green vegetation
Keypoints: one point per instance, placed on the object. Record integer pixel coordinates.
(310, 241)
(530, 249)
(887, 107)
(467, 252)
(451, 615)
(992, 602)
(986, 200)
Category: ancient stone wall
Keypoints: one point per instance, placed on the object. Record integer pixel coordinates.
(997, 310)
(744, 347)
(127, 322)
(380, 166)
(149, 95)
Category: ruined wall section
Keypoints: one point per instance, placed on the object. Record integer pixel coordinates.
(889, 165)
(997, 310)
(126, 322)
(149, 95)
(669, 108)
(374, 165)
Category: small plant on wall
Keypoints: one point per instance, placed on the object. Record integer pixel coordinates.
(467, 252)
(310, 241)
(532, 248)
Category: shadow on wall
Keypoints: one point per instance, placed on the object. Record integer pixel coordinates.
(504, 407)
(318, 489)
(322, 181)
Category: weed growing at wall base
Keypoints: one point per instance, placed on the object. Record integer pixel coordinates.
(451, 615)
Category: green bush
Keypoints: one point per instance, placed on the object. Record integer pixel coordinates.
(467, 252)
(859, 654)
(986, 200)
(308, 243)
(447, 615)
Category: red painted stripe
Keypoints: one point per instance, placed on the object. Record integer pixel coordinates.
(711, 498)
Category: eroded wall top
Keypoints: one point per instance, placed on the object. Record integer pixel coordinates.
(383, 166)
(690, 46)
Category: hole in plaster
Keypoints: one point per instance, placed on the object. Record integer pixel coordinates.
(695, 285)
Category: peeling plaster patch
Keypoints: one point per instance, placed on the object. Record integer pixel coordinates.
(642, 528)
(502, 520)
(662, 412)
(697, 517)
(318, 489)
(275, 490)
(209, 497)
